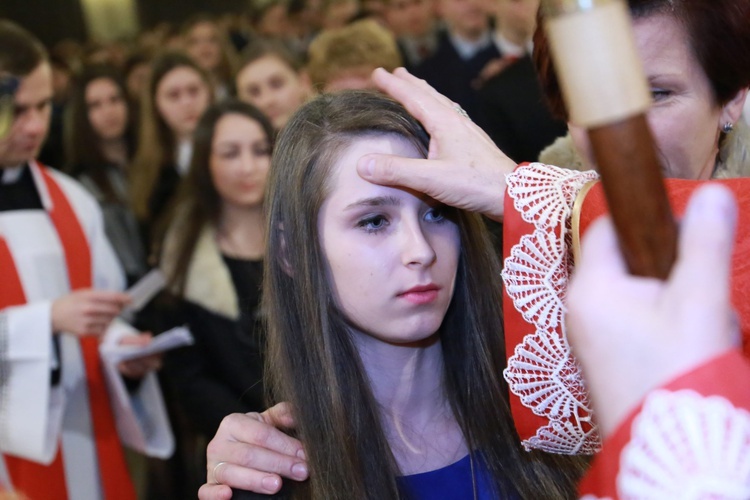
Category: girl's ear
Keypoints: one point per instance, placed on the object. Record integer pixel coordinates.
(283, 256)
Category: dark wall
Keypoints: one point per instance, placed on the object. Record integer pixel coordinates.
(54, 20)
(50, 20)
(152, 12)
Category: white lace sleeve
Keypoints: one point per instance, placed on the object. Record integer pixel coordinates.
(684, 445)
(542, 372)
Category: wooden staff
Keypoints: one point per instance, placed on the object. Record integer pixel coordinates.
(606, 92)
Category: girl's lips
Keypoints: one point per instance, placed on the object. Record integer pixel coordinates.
(421, 294)
(424, 297)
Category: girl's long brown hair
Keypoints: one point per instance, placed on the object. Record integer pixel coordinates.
(312, 361)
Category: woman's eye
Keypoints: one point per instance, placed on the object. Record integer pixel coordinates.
(373, 223)
(659, 94)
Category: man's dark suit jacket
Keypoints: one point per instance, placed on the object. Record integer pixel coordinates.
(517, 118)
(452, 76)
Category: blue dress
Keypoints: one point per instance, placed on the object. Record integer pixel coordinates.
(453, 482)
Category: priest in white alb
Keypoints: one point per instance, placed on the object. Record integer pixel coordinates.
(64, 411)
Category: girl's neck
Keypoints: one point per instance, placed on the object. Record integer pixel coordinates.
(240, 232)
(407, 383)
(115, 151)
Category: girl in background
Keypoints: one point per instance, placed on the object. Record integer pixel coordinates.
(271, 77)
(213, 258)
(99, 143)
(178, 93)
(209, 46)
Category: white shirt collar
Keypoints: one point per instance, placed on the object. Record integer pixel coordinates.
(510, 49)
(467, 49)
(183, 157)
(11, 174)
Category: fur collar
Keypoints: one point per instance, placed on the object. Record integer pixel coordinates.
(208, 282)
(562, 153)
(734, 154)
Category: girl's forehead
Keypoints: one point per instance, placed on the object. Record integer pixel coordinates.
(344, 182)
(388, 144)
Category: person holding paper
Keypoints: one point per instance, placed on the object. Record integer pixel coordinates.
(63, 409)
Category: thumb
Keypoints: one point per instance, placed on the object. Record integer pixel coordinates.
(391, 170)
(280, 416)
(706, 244)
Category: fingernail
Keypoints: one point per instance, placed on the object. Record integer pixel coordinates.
(713, 202)
(368, 167)
(271, 483)
(301, 454)
(299, 471)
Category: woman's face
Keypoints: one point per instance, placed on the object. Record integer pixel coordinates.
(685, 118)
(137, 80)
(392, 253)
(107, 109)
(181, 98)
(204, 46)
(274, 87)
(274, 22)
(410, 17)
(239, 162)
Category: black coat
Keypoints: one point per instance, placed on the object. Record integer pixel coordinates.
(221, 373)
(452, 76)
(518, 119)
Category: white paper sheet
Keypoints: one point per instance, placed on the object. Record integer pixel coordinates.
(143, 291)
(176, 337)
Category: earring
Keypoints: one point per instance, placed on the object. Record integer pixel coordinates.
(727, 127)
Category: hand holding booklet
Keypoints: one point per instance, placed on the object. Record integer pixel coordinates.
(176, 337)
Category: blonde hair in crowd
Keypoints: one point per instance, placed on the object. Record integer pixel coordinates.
(360, 46)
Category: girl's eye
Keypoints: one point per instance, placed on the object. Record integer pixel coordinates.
(261, 150)
(437, 214)
(228, 154)
(276, 83)
(373, 223)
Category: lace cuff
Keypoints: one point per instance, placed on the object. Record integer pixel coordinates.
(688, 440)
(549, 401)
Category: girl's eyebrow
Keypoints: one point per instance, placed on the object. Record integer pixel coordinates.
(377, 201)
